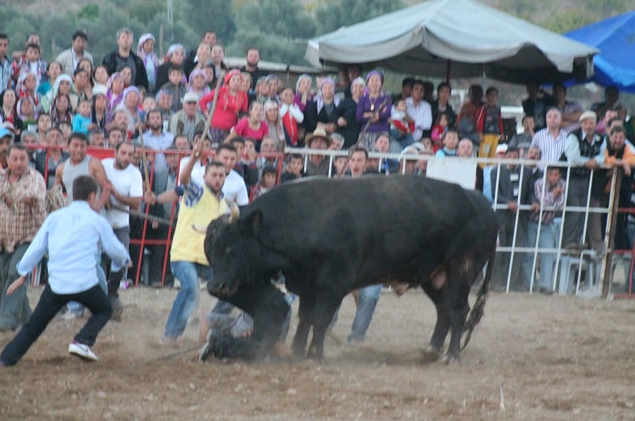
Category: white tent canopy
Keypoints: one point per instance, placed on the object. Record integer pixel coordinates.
(461, 38)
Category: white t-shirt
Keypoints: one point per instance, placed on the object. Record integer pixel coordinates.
(127, 182)
(234, 188)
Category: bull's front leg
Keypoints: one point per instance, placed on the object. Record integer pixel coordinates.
(457, 321)
(325, 308)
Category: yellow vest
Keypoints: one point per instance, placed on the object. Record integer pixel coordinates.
(187, 244)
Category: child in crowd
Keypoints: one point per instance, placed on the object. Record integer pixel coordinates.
(198, 84)
(175, 88)
(27, 86)
(126, 73)
(290, 114)
(401, 126)
(61, 109)
(262, 90)
(438, 130)
(450, 142)
(26, 112)
(489, 124)
(340, 165)
(266, 183)
(82, 120)
(100, 75)
(293, 169)
(31, 63)
(253, 126)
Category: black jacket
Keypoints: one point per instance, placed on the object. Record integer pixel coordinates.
(141, 77)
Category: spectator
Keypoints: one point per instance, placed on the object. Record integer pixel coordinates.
(570, 110)
(468, 115)
(123, 56)
(293, 169)
(551, 140)
(303, 94)
(611, 97)
(234, 188)
(512, 187)
(267, 181)
(450, 143)
(175, 87)
(419, 110)
(290, 115)
(96, 139)
(441, 105)
(44, 123)
(61, 109)
(489, 124)
(71, 57)
(522, 141)
(347, 123)
(322, 111)
(231, 101)
(441, 125)
(217, 57)
(6, 140)
(547, 192)
(32, 63)
(276, 129)
(200, 57)
(27, 112)
(114, 93)
(465, 149)
(81, 120)
(99, 108)
(401, 126)
(53, 71)
(253, 126)
(145, 51)
(584, 149)
(156, 138)
(5, 63)
(101, 75)
(373, 110)
(174, 59)
(537, 104)
(22, 211)
(8, 102)
(187, 121)
(406, 90)
(251, 66)
(197, 84)
(81, 87)
(318, 164)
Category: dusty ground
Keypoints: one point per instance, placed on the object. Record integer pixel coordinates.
(531, 358)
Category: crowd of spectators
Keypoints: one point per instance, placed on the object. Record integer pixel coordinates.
(164, 104)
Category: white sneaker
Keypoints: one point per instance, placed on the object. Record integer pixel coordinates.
(82, 351)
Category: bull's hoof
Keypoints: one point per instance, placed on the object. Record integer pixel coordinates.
(430, 354)
(449, 359)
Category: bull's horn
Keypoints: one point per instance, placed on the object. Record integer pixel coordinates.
(199, 228)
(235, 212)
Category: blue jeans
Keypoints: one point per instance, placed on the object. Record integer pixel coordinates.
(77, 308)
(368, 297)
(187, 273)
(547, 240)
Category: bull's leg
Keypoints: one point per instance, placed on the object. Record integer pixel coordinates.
(305, 312)
(325, 308)
(460, 289)
(268, 308)
(442, 326)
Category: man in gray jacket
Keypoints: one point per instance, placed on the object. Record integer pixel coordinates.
(71, 57)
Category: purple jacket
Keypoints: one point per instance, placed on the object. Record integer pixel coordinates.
(365, 104)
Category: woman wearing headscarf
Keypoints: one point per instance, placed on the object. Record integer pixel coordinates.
(373, 110)
(174, 58)
(145, 50)
(276, 128)
(231, 101)
(114, 94)
(303, 95)
(323, 109)
(347, 124)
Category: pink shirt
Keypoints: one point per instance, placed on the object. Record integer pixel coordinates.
(243, 129)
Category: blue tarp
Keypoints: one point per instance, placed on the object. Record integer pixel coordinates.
(615, 37)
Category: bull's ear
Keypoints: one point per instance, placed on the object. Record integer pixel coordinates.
(251, 224)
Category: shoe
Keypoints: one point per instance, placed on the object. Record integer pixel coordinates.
(82, 351)
(207, 349)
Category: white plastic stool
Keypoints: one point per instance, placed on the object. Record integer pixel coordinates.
(569, 267)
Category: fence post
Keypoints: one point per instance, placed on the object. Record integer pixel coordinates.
(616, 182)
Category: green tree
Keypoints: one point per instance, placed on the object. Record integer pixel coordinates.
(216, 15)
(334, 14)
(272, 47)
(284, 18)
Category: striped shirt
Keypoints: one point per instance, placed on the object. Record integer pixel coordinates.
(6, 70)
(20, 222)
(550, 149)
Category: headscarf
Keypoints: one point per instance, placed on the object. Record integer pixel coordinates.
(56, 119)
(300, 78)
(195, 73)
(233, 72)
(320, 99)
(19, 108)
(172, 49)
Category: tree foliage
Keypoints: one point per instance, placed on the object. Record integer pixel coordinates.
(217, 15)
(334, 14)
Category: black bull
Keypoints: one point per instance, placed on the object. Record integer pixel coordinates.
(329, 237)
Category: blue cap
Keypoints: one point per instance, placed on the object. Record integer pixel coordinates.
(6, 132)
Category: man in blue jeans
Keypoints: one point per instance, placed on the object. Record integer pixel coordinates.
(72, 236)
(367, 297)
(200, 205)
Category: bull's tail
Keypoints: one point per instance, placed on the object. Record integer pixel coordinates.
(478, 309)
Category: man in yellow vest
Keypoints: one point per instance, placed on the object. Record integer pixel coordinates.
(200, 205)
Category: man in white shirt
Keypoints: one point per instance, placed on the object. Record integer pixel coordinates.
(419, 110)
(73, 237)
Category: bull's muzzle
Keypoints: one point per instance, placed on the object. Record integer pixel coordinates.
(220, 289)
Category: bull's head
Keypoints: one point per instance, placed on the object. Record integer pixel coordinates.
(233, 252)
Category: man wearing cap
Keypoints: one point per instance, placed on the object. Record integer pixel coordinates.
(187, 121)
(71, 57)
(22, 211)
(6, 139)
(318, 164)
(584, 150)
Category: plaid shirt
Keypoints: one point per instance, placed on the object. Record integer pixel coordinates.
(547, 201)
(6, 70)
(20, 222)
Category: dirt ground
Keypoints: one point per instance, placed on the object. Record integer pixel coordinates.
(532, 357)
